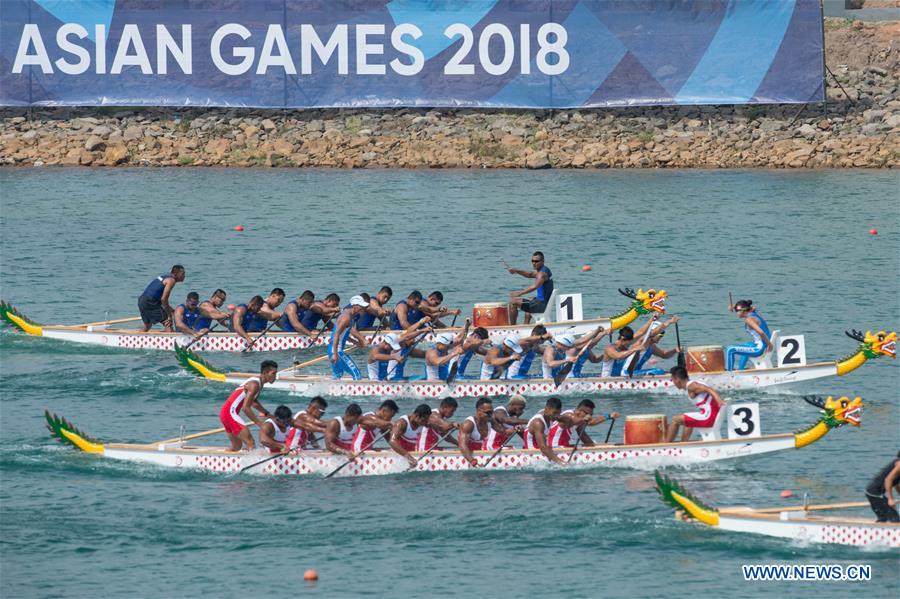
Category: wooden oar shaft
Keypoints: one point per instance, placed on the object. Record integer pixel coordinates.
(313, 361)
(117, 321)
(797, 508)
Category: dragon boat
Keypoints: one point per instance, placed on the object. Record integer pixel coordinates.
(803, 523)
(872, 346)
(177, 453)
(106, 333)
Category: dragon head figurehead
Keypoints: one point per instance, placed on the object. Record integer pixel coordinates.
(648, 301)
(878, 344)
(838, 412)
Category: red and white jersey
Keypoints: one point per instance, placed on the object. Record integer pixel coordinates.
(707, 409)
(297, 438)
(476, 441)
(410, 436)
(363, 438)
(428, 437)
(494, 439)
(280, 435)
(345, 435)
(560, 436)
(529, 438)
(235, 402)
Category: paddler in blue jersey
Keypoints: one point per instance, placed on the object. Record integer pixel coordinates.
(519, 368)
(244, 317)
(209, 311)
(321, 310)
(267, 311)
(406, 313)
(292, 318)
(543, 283)
(187, 314)
(153, 303)
(376, 308)
(757, 328)
(344, 328)
(432, 307)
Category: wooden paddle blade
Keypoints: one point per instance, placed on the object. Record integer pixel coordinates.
(562, 374)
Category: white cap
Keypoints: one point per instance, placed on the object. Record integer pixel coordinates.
(393, 340)
(357, 300)
(512, 342)
(565, 340)
(444, 338)
(655, 325)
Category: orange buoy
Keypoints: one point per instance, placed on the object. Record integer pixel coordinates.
(873, 231)
(310, 575)
(586, 267)
(787, 493)
(239, 228)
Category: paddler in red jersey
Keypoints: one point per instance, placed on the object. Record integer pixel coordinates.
(406, 430)
(370, 422)
(274, 431)
(704, 397)
(306, 424)
(439, 424)
(340, 431)
(246, 399)
(539, 426)
(474, 430)
(504, 421)
(576, 421)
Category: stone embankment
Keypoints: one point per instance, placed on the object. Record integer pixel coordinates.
(859, 128)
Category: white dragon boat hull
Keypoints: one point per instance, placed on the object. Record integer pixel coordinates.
(311, 386)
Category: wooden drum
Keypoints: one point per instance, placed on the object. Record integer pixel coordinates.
(705, 358)
(644, 428)
(490, 315)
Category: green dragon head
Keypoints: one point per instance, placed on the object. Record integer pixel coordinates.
(10, 315)
(874, 345)
(196, 365)
(646, 301)
(838, 412)
(66, 433)
(672, 493)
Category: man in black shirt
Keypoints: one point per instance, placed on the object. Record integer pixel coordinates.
(880, 492)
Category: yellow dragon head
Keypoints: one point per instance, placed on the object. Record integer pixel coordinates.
(838, 411)
(648, 301)
(875, 345)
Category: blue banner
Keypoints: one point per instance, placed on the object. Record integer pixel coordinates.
(381, 53)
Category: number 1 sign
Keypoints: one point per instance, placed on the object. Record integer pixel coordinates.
(568, 307)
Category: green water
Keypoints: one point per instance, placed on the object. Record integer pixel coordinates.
(77, 243)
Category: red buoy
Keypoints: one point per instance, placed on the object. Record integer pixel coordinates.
(787, 493)
(586, 267)
(873, 231)
(311, 575)
(239, 228)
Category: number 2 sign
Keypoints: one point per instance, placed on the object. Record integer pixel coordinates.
(791, 351)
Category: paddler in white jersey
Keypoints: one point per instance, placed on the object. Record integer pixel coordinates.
(573, 424)
(539, 427)
(406, 430)
(246, 399)
(704, 397)
(530, 344)
(340, 430)
(274, 431)
(474, 430)
(558, 354)
(497, 359)
(306, 424)
(447, 348)
(371, 424)
(506, 421)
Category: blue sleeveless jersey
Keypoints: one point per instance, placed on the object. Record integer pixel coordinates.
(546, 290)
(413, 316)
(398, 370)
(345, 334)
(202, 322)
(311, 319)
(285, 324)
(155, 289)
(558, 355)
(579, 364)
(642, 359)
(247, 320)
(617, 367)
(463, 361)
(365, 321)
(190, 318)
(762, 324)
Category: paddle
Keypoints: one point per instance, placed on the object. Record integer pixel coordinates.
(681, 360)
(198, 338)
(577, 442)
(261, 335)
(496, 453)
(118, 321)
(311, 362)
(268, 459)
(454, 368)
(730, 303)
(213, 431)
(364, 449)
(433, 447)
(567, 368)
(612, 423)
(799, 508)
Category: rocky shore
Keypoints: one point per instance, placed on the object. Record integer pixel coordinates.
(859, 129)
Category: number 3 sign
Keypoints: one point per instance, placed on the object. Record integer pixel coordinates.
(743, 420)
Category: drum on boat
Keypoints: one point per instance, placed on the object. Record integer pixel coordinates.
(644, 428)
(705, 358)
(490, 315)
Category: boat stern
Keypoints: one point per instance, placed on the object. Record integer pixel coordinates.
(9, 314)
(66, 433)
(195, 365)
